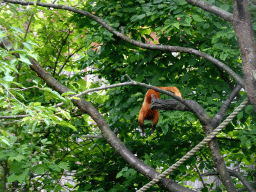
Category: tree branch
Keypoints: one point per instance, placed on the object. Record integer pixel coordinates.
(247, 44)
(14, 117)
(59, 52)
(200, 175)
(93, 136)
(62, 67)
(191, 106)
(137, 43)
(212, 9)
(235, 174)
(223, 109)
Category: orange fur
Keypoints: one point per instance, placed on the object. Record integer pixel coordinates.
(151, 114)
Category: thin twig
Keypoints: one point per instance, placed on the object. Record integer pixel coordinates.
(13, 96)
(198, 171)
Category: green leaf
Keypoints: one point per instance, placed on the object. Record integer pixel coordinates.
(17, 84)
(75, 98)
(165, 128)
(28, 46)
(5, 133)
(23, 176)
(16, 93)
(64, 123)
(135, 110)
(24, 59)
(68, 93)
(185, 77)
(8, 78)
(12, 178)
(197, 18)
(87, 187)
(248, 109)
(2, 34)
(44, 141)
(177, 25)
(120, 174)
(4, 140)
(33, 126)
(65, 114)
(225, 7)
(181, 2)
(39, 169)
(34, 56)
(137, 17)
(32, 43)
(54, 94)
(240, 115)
(201, 166)
(17, 29)
(64, 165)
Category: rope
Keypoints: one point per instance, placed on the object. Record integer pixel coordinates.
(196, 148)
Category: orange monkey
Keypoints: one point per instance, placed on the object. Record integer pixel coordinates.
(151, 114)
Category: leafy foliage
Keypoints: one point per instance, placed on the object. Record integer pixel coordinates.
(42, 149)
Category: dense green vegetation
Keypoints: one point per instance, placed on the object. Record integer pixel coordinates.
(40, 150)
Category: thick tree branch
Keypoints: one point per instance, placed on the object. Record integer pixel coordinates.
(219, 162)
(246, 39)
(173, 104)
(243, 180)
(212, 9)
(237, 174)
(222, 112)
(197, 109)
(137, 43)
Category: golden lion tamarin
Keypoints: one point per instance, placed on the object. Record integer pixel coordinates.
(151, 114)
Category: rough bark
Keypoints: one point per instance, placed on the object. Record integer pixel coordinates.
(246, 39)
